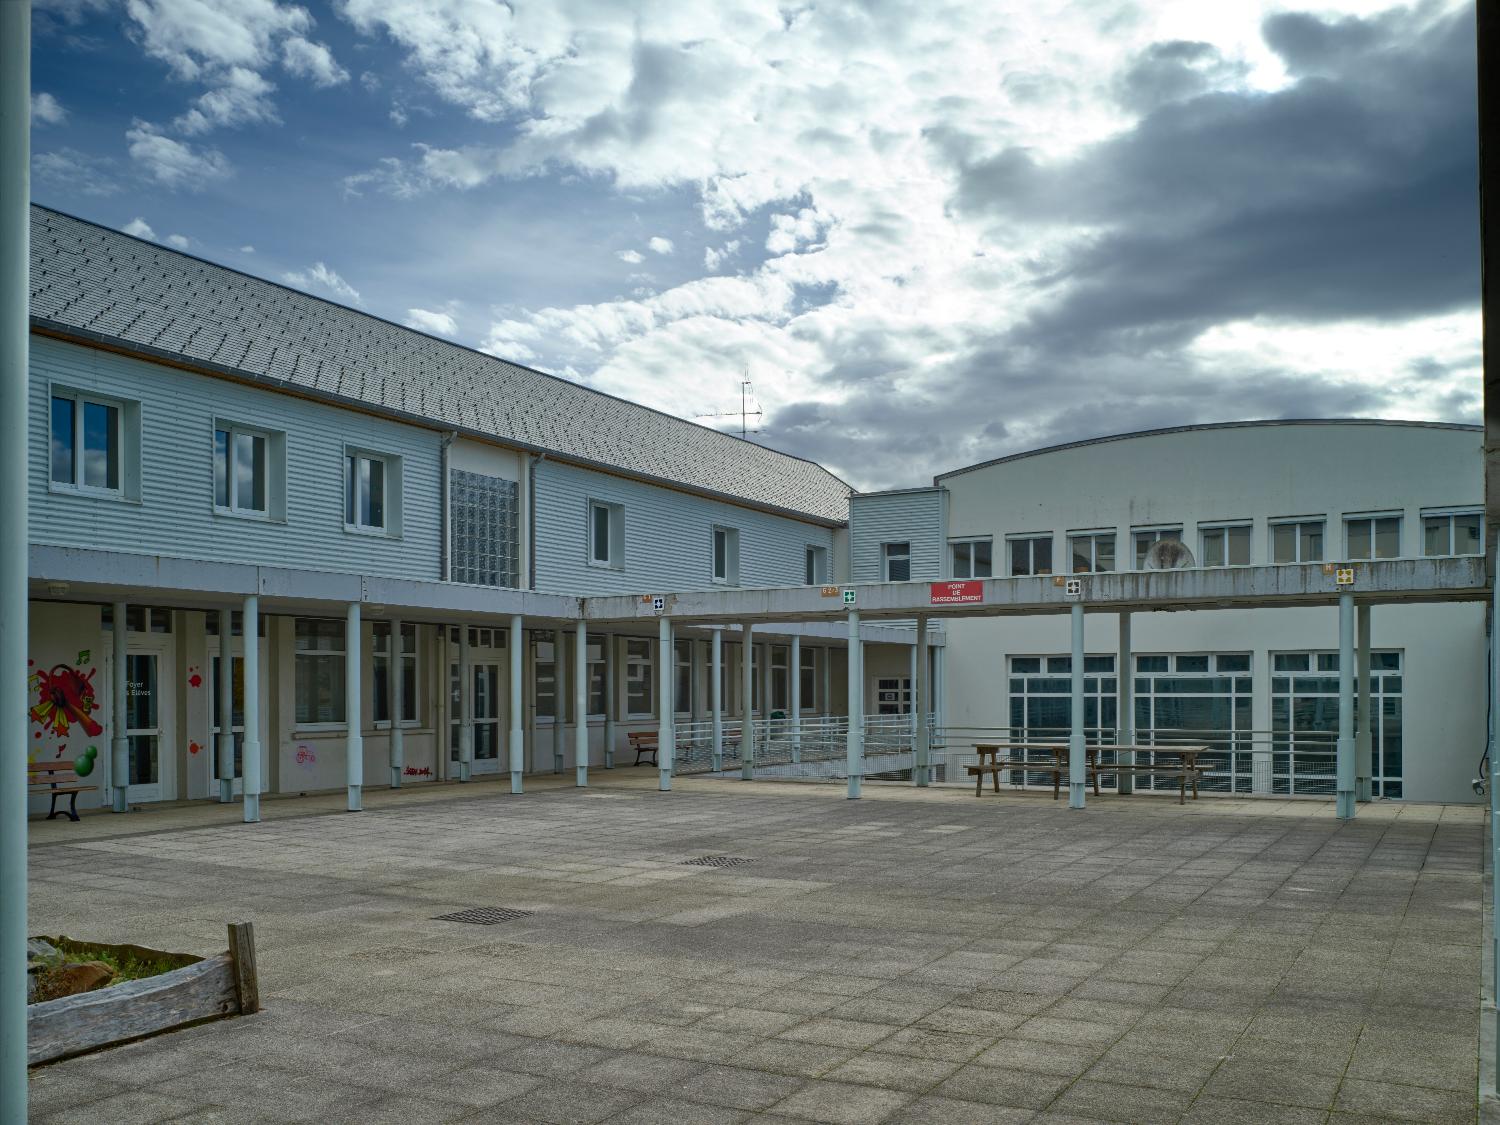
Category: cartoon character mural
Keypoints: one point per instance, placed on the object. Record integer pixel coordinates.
(64, 698)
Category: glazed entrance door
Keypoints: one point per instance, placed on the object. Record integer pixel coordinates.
(152, 775)
(489, 715)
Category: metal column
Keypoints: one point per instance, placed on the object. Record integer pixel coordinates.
(665, 738)
(397, 672)
(1344, 768)
(559, 695)
(607, 648)
(581, 705)
(1364, 765)
(747, 702)
(716, 695)
(1077, 754)
(119, 743)
(794, 670)
(354, 749)
(854, 742)
(921, 707)
(465, 707)
(1494, 787)
(250, 628)
(224, 755)
(1125, 709)
(516, 705)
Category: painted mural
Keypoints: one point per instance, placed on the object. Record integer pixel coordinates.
(63, 704)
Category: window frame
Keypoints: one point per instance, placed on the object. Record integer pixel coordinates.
(731, 570)
(645, 661)
(1032, 539)
(971, 571)
(232, 430)
(1157, 532)
(343, 656)
(815, 565)
(1371, 519)
(1450, 515)
(126, 422)
(391, 487)
(889, 556)
(379, 650)
(1224, 527)
(1297, 522)
(1094, 536)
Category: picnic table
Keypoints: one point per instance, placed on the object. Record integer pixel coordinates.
(1185, 767)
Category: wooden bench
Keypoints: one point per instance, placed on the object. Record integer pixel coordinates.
(643, 742)
(993, 763)
(52, 778)
(1185, 769)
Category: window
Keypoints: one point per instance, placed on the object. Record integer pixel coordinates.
(1093, 551)
(319, 671)
(809, 674)
(1041, 703)
(1305, 722)
(638, 688)
(973, 558)
(1297, 541)
(895, 562)
(1452, 533)
(781, 682)
(606, 535)
(726, 552)
(817, 566)
(1199, 697)
(87, 439)
(596, 675)
(150, 619)
(211, 623)
(682, 695)
(240, 471)
(1226, 545)
(1146, 537)
(1030, 554)
(544, 675)
(485, 529)
(369, 487)
(381, 689)
(1373, 537)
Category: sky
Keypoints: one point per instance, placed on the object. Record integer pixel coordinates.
(927, 233)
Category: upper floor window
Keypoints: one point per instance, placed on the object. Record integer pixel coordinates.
(372, 491)
(1030, 554)
(895, 562)
(1452, 533)
(726, 552)
(1093, 551)
(1297, 541)
(240, 471)
(1225, 544)
(485, 529)
(816, 572)
(606, 534)
(1373, 537)
(87, 443)
(1146, 537)
(973, 558)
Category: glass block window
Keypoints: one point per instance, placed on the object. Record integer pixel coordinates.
(485, 528)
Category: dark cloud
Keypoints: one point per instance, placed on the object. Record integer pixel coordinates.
(1174, 71)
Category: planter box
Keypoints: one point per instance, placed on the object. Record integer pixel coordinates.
(204, 989)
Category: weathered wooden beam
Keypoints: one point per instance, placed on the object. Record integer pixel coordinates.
(242, 957)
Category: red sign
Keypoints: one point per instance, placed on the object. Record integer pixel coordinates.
(956, 593)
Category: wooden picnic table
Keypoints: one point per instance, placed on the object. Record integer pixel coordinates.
(1186, 769)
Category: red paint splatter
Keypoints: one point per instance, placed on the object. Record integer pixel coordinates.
(193, 748)
(195, 680)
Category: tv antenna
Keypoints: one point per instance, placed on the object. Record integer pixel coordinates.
(744, 413)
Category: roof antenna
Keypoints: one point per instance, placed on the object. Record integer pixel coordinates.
(744, 413)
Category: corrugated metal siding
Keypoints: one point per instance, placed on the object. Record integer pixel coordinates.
(175, 515)
(667, 537)
(917, 516)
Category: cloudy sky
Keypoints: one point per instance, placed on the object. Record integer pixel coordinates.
(929, 233)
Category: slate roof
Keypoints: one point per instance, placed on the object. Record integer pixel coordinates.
(92, 282)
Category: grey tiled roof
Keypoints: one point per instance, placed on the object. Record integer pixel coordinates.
(98, 282)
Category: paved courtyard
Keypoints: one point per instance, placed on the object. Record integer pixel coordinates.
(911, 957)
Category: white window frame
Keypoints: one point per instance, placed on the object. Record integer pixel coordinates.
(127, 424)
(344, 656)
(1093, 537)
(1450, 514)
(639, 665)
(889, 556)
(379, 650)
(1150, 535)
(1370, 518)
(971, 570)
(1297, 522)
(233, 430)
(1032, 539)
(815, 569)
(614, 541)
(811, 658)
(731, 570)
(391, 489)
(682, 663)
(1226, 526)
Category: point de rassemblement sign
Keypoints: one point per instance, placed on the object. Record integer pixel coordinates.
(957, 593)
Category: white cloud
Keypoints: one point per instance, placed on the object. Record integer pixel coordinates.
(180, 241)
(659, 245)
(173, 163)
(319, 276)
(242, 97)
(76, 171)
(139, 228)
(312, 61)
(634, 257)
(714, 258)
(47, 110)
(436, 323)
(247, 249)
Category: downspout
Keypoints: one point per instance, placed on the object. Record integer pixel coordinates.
(531, 463)
(445, 554)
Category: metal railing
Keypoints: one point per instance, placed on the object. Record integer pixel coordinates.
(783, 742)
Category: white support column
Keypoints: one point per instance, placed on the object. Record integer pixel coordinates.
(911, 674)
(716, 695)
(607, 648)
(465, 707)
(225, 758)
(354, 746)
(250, 625)
(1364, 764)
(516, 704)
(1077, 754)
(794, 669)
(1344, 760)
(854, 742)
(665, 738)
(119, 744)
(921, 707)
(559, 695)
(396, 670)
(747, 702)
(581, 705)
(1125, 707)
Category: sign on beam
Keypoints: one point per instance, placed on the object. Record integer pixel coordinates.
(849, 596)
(956, 593)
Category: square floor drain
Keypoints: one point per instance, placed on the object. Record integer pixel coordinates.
(485, 915)
(714, 861)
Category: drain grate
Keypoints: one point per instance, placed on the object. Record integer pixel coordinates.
(714, 861)
(485, 915)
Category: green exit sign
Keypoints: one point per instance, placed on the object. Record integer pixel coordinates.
(849, 597)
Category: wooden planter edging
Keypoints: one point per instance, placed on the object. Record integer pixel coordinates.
(210, 989)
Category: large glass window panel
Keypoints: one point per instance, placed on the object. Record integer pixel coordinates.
(897, 558)
(319, 671)
(809, 674)
(101, 455)
(639, 694)
(485, 529)
(64, 421)
(600, 531)
(221, 468)
(1468, 534)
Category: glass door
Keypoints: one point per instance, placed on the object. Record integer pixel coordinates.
(487, 731)
(147, 709)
